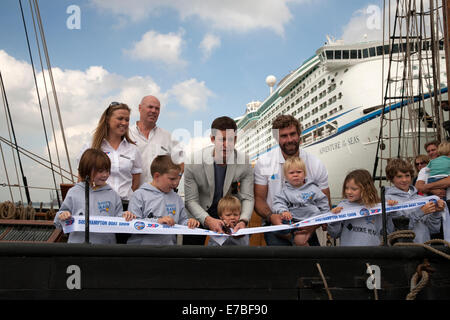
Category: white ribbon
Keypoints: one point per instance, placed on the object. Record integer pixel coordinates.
(104, 224)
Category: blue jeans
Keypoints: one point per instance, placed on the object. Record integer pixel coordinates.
(272, 239)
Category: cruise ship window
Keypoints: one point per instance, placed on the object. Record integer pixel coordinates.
(372, 52)
(345, 54)
(365, 53)
(395, 48)
(329, 54)
(379, 50)
(359, 54)
(386, 49)
(337, 54)
(353, 54)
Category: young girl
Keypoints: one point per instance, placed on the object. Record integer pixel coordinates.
(358, 191)
(103, 201)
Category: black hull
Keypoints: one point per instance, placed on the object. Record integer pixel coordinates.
(40, 271)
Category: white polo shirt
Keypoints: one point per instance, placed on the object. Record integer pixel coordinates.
(269, 171)
(159, 142)
(125, 161)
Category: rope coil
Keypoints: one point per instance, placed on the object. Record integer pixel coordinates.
(11, 211)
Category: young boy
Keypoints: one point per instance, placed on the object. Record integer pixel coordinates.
(229, 211)
(439, 168)
(159, 203)
(299, 200)
(422, 221)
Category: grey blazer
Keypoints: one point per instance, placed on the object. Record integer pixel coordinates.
(199, 183)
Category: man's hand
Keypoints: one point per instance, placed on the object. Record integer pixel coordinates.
(214, 224)
(438, 192)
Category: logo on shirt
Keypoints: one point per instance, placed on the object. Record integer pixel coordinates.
(275, 176)
(104, 206)
(171, 209)
(307, 195)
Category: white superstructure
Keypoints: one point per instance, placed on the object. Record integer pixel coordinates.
(338, 95)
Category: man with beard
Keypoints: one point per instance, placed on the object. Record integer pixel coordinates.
(214, 172)
(269, 177)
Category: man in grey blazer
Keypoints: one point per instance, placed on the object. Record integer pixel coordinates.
(213, 172)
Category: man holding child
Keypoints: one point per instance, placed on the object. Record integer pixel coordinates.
(214, 172)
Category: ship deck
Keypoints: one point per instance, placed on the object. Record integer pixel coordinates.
(46, 271)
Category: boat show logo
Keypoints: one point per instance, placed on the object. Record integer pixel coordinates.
(364, 212)
(69, 222)
(139, 225)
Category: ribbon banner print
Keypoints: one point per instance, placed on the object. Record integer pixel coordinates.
(102, 224)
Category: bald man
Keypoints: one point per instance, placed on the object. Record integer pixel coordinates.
(152, 140)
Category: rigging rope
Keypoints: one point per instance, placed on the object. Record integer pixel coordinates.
(39, 99)
(46, 92)
(9, 133)
(50, 73)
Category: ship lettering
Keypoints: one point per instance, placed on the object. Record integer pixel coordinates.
(340, 144)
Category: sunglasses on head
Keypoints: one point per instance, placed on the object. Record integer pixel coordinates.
(114, 103)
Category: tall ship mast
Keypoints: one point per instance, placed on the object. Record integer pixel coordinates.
(363, 103)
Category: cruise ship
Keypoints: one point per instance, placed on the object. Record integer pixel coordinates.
(338, 96)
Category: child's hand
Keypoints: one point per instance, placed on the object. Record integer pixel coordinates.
(430, 207)
(128, 216)
(192, 223)
(166, 220)
(336, 210)
(440, 205)
(392, 202)
(64, 215)
(275, 219)
(286, 216)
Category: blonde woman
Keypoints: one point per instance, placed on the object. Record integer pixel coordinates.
(111, 136)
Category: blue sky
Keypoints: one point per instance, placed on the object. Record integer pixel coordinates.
(204, 59)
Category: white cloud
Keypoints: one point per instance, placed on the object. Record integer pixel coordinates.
(366, 23)
(230, 15)
(82, 97)
(209, 43)
(155, 46)
(191, 94)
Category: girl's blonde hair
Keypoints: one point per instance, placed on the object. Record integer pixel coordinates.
(294, 162)
(102, 130)
(228, 202)
(363, 179)
(444, 148)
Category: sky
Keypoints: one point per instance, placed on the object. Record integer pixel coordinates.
(202, 59)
